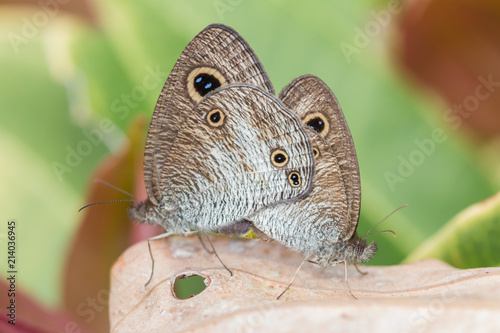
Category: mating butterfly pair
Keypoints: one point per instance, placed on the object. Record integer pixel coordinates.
(223, 154)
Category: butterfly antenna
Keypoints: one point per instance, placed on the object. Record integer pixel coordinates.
(115, 188)
(385, 218)
(104, 202)
(111, 201)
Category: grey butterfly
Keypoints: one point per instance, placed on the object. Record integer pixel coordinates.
(220, 146)
(322, 225)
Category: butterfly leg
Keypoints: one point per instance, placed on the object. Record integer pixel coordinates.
(294, 276)
(203, 244)
(346, 282)
(168, 234)
(214, 252)
(164, 235)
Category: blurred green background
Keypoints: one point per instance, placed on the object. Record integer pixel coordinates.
(73, 74)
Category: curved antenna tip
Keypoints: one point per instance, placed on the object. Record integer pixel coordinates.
(369, 233)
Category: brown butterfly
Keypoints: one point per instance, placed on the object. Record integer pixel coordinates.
(322, 225)
(220, 146)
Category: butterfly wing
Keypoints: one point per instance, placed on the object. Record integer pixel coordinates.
(314, 102)
(238, 151)
(329, 214)
(217, 56)
(316, 220)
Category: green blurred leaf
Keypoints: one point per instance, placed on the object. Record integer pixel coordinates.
(469, 240)
(44, 211)
(107, 81)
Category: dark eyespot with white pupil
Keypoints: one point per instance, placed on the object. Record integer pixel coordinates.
(215, 118)
(202, 80)
(205, 83)
(279, 158)
(316, 124)
(294, 179)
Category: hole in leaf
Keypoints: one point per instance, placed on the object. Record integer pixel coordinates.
(188, 285)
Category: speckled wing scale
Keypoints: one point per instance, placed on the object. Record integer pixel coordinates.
(220, 146)
(323, 224)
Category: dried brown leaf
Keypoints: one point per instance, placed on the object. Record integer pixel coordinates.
(427, 295)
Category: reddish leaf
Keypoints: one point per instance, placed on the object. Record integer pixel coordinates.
(104, 234)
(31, 317)
(448, 45)
(84, 9)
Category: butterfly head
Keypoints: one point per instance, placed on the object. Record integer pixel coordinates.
(361, 251)
(144, 212)
(138, 212)
(355, 250)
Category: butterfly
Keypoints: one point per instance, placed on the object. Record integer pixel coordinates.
(220, 146)
(322, 225)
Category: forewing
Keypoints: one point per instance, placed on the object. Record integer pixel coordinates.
(217, 56)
